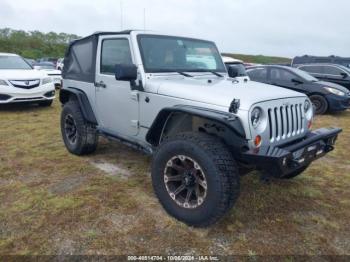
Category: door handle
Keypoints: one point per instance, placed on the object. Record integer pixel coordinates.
(100, 84)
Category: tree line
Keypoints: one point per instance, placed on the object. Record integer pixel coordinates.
(34, 44)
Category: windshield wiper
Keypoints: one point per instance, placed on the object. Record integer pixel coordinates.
(210, 71)
(184, 74)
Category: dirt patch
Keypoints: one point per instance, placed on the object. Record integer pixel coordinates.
(111, 169)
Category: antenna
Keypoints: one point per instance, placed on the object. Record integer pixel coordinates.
(121, 15)
(144, 19)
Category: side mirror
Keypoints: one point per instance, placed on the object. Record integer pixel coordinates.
(344, 75)
(125, 72)
(297, 81)
(233, 71)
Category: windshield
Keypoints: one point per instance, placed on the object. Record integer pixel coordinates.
(176, 54)
(346, 69)
(306, 76)
(13, 62)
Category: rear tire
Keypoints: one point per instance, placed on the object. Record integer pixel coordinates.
(79, 136)
(195, 178)
(320, 103)
(46, 103)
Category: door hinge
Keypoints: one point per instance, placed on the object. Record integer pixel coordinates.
(135, 95)
(135, 123)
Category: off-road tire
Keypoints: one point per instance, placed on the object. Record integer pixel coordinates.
(320, 103)
(86, 134)
(295, 173)
(46, 103)
(219, 167)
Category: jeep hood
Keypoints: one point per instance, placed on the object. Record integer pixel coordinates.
(218, 92)
(29, 74)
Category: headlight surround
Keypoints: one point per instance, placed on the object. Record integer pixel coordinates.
(307, 106)
(255, 117)
(3, 83)
(46, 80)
(335, 91)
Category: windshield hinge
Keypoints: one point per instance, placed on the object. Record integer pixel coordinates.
(235, 104)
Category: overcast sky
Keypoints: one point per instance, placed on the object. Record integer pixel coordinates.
(269, 27)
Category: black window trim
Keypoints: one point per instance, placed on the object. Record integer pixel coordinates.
(113, 38)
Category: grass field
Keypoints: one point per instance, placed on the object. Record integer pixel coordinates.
(260, 59)
(54, 203)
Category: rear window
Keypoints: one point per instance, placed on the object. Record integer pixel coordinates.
(80, 60)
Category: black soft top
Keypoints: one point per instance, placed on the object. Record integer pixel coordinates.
(80, 57)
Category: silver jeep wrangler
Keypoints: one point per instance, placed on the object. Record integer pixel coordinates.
(171, 97)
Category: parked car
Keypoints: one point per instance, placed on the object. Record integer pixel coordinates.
(19, 82)
(48, 59)
(325, 96)
(337, 74)
(60, 64)
(30, 61)
(202, 128)
(235, 68)
(51, 71)
(306, 59)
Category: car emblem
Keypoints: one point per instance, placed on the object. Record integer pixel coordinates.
(27, 83)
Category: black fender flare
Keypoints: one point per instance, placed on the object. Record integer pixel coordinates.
(67, 93)
(229, 120)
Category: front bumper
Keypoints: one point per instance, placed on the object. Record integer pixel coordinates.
(281, 161)
(10, 94)
(338, 103)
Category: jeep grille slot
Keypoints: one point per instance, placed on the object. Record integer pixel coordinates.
(285, 121)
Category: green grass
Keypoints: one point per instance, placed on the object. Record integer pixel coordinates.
(52, 202)
(260, 59)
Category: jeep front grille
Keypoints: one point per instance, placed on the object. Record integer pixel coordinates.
(286, 121)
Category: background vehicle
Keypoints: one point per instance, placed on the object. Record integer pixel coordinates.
(235, 68)
(59, 65)
(30, 61)
(306, 59)
(19, 82)
(51, 71)
(48, 59)
(324, 95)
(178, 104)
(337, 74)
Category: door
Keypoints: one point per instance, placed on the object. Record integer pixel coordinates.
(117, 105)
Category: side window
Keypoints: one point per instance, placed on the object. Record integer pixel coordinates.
(312, 69)
(257, 73)
(281, 75)
(114, 51)
(332, 70)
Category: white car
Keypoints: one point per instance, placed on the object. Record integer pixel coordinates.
(60, 64)
(235, 68)
(19, 82)
(51, 71)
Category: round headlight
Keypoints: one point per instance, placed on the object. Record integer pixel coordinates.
(307, 106)
(255, 117)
